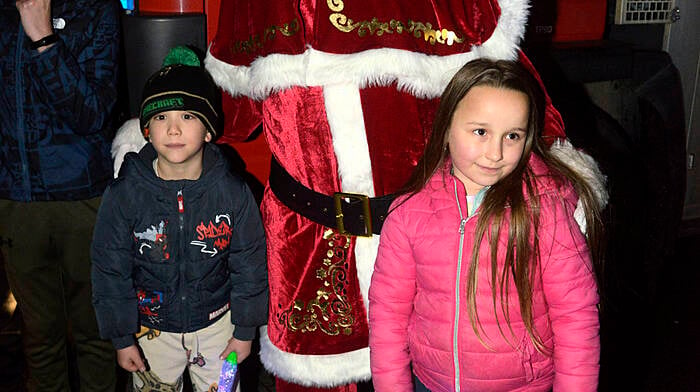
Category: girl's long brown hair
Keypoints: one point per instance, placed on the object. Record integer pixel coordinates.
(522, 252)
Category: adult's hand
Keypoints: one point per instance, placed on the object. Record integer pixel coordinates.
(36, 19)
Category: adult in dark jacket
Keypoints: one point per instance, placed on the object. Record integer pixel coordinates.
(58, 63)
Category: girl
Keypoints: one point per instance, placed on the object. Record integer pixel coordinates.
(483, 280)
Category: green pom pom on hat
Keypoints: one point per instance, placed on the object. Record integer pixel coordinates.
(181, 55)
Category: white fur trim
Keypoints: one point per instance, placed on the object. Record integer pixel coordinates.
(580, 216)
(128, 138)
(314, 370)
(347, 125)
(346, 121)
(422, 75)
(505, 40)
(365, 256)
(588, 169)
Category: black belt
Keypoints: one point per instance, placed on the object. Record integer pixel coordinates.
(349, 213)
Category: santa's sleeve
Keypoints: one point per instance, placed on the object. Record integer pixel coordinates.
(553, 123)
(242, 116)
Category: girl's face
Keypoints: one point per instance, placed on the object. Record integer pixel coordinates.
(178, 137)
(487, 135)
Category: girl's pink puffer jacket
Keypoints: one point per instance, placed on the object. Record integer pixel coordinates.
(418, 315)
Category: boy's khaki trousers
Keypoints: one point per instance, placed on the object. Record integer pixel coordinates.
(169, 355)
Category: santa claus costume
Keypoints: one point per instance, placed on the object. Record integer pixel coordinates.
(345, 91)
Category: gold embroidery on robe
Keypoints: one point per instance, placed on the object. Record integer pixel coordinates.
(375, 27)
(257, 41)
(330, 312)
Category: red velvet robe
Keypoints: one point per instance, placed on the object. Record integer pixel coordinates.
(346, 91)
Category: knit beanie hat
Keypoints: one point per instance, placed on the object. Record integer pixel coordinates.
(182, 84)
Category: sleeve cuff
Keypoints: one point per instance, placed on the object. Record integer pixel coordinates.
(244, 333)
(123, 341)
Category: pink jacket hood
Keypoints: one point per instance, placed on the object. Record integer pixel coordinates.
(418, 314)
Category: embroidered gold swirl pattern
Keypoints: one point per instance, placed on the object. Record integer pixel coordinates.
(330, 312)
(375, 27)
(257, 41)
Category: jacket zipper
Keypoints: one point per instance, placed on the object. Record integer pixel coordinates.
(181, 209)
(181, 225)
(455, 330)
(19, 91)
(455, 327)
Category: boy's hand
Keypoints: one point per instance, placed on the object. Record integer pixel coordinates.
(130, 359)
(241, 347)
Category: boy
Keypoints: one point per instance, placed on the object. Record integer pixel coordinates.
(179, 248)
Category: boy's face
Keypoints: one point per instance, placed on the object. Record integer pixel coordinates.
(178, 137)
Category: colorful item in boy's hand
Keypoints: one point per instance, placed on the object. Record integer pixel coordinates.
(229, 371)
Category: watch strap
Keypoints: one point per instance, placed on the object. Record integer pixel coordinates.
(48, 40)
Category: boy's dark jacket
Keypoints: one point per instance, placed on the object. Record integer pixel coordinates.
(170, 255)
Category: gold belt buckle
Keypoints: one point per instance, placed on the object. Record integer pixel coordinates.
(338, 198)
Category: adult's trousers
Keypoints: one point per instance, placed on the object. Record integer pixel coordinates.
(46, 248)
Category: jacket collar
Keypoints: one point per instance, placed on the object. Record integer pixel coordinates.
(543, 176)
(141, 166)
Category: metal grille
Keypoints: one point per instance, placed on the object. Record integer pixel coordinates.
(643, 11)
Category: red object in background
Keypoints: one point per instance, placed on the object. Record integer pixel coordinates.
(579, 20)
(171, 6)
(211, 8)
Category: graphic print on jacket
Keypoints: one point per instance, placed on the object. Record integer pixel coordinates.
(153, 243)
(149, 305)
(210, 237)
(214, 236)
(154, 240)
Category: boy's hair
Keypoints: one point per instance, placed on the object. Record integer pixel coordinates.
(507, 196)
(182, 84)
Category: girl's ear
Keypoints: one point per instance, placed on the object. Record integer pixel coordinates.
(207, 137)
(146, 133)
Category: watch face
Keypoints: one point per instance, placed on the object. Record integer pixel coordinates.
(59, 23)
